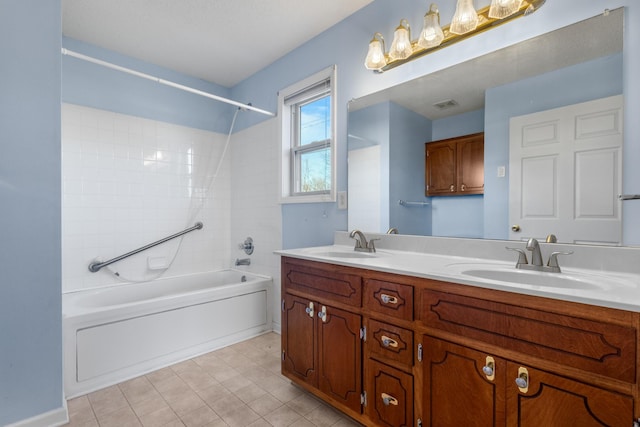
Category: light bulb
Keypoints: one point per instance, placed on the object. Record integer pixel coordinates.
(502, 8)
(431, 34)
(401, 45)
(375, 56)
(465, 19)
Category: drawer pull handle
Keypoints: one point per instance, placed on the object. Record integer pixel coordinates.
(388, 299)
(323, 314)
(387, 399)
(309, 309)
(489, 368)
(388, 342)
(523, 379)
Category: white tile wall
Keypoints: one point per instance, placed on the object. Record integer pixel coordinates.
(129, 181)
(254, 201)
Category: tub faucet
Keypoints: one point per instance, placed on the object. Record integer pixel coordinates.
(361, 242)
(243, 261)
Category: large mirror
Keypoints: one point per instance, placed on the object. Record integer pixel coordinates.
(387, 130)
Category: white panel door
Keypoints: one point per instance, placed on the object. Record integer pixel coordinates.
(566, 173)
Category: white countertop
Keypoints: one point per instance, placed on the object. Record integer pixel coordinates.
(596, 286)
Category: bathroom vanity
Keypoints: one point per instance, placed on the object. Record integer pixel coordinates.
(404, 339)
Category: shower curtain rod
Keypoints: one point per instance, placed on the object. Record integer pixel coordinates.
(164, 82)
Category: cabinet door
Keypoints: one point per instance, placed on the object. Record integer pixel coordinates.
(470, 165)
(555, 401)
(340, 355)
(299, 339)
(440, 168)
(389, 395)
(456, 390)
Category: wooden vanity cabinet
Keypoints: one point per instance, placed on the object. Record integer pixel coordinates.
(455, 166)
(435, 353)
(321, 328)
(578, 362)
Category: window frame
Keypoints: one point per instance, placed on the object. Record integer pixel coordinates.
(295, 95)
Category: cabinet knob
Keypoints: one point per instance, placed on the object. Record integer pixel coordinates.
(309, 309)
(452, 188)
(515, 228)
(523, 379)
(388, 342)
(387, 399)
(388, 299)
(323, 314)
(489, 368)
(463, 187)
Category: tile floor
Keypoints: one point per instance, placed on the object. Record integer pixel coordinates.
(239, 385)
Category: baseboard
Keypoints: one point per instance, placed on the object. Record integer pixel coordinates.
(56, 417)
(277, 327)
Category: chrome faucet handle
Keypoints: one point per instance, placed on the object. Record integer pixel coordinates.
(553, 260)
(372, 246)
(522, 256)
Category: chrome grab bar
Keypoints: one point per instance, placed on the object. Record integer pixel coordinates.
(96, 266)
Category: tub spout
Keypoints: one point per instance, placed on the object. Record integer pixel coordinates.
(243, 261)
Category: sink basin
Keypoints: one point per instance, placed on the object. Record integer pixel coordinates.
(537, 278)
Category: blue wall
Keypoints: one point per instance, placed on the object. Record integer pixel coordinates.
(93, 85)
(30, 196)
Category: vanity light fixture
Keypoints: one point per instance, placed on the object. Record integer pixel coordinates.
(401, 44)
(467, 21)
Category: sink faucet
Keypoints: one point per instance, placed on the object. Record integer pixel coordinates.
(536, 258)
(361, 242)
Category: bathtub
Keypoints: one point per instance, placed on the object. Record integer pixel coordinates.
(116, 333)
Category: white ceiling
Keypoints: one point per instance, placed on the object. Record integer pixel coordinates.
(221, 41)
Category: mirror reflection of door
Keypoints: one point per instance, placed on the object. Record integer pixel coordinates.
(566, 173)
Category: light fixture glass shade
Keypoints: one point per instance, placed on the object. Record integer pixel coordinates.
(431, 34)
(375, 56)
(465, 19)
(502, 8)
(401, 45)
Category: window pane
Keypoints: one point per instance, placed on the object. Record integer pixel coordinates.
(315, 121)
(315, 170)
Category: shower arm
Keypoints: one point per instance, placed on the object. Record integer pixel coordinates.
(96, 266)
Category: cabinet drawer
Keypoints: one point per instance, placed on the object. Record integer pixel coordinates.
(596, 346)
(389, 395)
(322, 280)
(392, 299)
(390, 342)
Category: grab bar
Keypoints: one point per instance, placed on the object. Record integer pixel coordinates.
(96, 266)
(629, 196)
(406, 203)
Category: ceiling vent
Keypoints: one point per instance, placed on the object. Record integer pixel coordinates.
(443, 105)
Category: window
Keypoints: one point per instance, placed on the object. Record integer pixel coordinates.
(307, 118)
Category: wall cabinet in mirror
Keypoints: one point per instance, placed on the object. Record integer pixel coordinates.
(455, 166)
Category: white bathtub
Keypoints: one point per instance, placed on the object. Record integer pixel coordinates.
(120, 332)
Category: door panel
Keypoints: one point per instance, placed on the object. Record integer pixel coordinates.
(340, 356)
(299, 339)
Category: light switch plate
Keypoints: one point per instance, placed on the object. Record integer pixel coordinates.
(342, 200)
